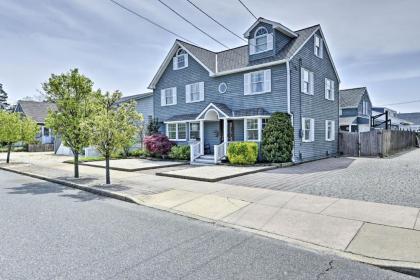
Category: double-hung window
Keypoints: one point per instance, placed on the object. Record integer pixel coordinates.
(180, 60)
(318, 46)
(194, 92)
(251, 130)
(176, 131)
(329, 130)
(308, 130)
(194, 131)
(307, 81)
(257, 82)
(262, 41)
(168, 96)
(329, 89)
(365, 108)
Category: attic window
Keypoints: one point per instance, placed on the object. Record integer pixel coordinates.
(180, 60)
(261, 44)
(318, 47)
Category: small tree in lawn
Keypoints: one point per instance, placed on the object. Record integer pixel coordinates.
(277, 141)
(113, 127)
(73, 95)
(14, 128)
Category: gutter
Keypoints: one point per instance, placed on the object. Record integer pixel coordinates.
(243, 69)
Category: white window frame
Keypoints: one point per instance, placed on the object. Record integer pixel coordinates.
(163, 96)
(189, 93)
(311, 130)
(318, 50)
(258, 129)
(310, 88)
(268, 41)
(329, 89)
(265, 35)
(181, 53)
(327, 123)
(176, 131)
(266, 82)
(190, 130)
(365, 108)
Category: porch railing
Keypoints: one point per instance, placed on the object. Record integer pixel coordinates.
(219, 152)
(194, 151)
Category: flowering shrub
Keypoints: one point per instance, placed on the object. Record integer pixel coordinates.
(157, 144)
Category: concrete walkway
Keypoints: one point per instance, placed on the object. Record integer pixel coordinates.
(377, 233)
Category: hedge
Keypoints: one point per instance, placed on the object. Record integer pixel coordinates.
(242, 153)
(181, 152)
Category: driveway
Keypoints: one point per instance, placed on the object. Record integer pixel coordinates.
(393, 180)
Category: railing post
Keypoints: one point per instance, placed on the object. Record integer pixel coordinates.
(191, 153)
(216, 154)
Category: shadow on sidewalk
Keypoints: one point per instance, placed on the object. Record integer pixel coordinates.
(322, 165)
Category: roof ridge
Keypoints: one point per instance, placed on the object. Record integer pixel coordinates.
(316, 25)
(232, 49)
(353, 88)
(196, 46)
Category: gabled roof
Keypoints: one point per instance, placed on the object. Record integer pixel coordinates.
(36, 110)
(411, 117)
(135, 97)
(350, 98)
(276, 25)
(237, 59)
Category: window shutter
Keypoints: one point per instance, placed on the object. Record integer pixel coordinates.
(332, 90)
(326, 88)
(247, 83)
(267, 80)
(326, 130)
(186, 60)
(188, 93)
(201, 85)
(270, 41)
(312, 130)
(311, 82)
(162, 98)
(175, 63)
(174, 95)
(321, 48)
(251, 46)
(302, 80)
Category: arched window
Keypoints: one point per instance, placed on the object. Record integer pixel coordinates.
(261, 40)
(180, 60)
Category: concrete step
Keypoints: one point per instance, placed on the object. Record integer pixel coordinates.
(202, 160)
(210, 157)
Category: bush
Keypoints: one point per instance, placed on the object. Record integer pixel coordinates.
(277, 144)
(137, 153)
(157, 144)
(181, 152)
(242, 153)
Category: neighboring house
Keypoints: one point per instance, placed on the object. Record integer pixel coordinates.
(413, 118)
(355, 110)
(38, 111)
(212, 98)
(395, 123)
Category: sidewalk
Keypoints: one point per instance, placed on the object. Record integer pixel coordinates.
(380, 234)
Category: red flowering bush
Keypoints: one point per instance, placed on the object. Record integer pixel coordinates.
(157, 144)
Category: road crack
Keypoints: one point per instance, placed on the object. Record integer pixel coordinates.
(329, 268)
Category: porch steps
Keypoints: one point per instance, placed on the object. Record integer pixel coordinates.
(204, 160)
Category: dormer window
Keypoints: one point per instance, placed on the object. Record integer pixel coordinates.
(180, 60)
(262, 41)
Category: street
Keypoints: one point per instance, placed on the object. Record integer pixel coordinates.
(52, 232)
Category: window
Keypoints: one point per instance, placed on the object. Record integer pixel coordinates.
(194, 131)
(330, 130)
(251, 130)
(318, 46)
(263, 124)
(257, 82)
(171, 131)
(308, 130)
(182, 131)
(222, 87)
(46, 131)
(176, 131)
(168, 96)
(329, 89)
(180, 60)
(365, 108)
(194, 92)
(261, 40)
(307, 81)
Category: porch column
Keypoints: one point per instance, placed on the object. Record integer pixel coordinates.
(202, 137)
(259, 129)
(225, 133)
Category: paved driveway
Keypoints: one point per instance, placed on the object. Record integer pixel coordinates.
(393, 180)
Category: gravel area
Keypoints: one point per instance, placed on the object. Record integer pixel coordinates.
(394, 180)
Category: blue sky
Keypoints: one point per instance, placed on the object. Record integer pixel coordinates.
(374, 43)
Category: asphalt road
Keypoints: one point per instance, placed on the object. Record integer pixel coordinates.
(51, 232)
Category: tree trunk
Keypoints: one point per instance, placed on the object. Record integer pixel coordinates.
(9, 149)
(107, 173)
(76, 164)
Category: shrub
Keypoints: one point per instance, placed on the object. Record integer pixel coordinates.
(243, 153)
(181, 152)
(277, 141)
(157, 144)
(137, 153)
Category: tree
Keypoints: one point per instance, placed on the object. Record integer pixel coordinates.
(3, 98)
(113, 127)
(73, 95)
(153, 127)
(277, 141)
(14, 128)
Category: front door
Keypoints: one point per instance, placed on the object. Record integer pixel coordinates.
(211, 136)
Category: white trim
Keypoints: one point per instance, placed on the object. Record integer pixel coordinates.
(222, 92)
(188, 94)
(177, 131)
(208, 107)
(283, 29)
(258, 129)
(321, 46)
(288, 86)
(311, 131)
(248, 68)
(211, 110)
(311, 81)
(189, 130)
(332, 130)
(332, 85)
(163, 97)
(266, 82)
(254, 41)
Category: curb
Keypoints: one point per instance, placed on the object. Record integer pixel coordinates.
(134, 169)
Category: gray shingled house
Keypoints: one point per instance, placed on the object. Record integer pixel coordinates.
(355, 110)
(414, 118)
(38, 111)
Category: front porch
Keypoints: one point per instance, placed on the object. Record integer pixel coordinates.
(210, 132)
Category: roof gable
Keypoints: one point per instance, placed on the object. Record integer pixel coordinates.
(351, 98)
(276, 25)
(38, 111)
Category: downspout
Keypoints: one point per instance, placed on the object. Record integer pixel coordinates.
(288, 86)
